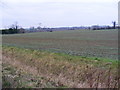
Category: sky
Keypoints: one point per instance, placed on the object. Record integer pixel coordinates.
(57, 13)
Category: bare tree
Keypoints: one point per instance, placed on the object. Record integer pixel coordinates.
(14, 26)
(39, 26)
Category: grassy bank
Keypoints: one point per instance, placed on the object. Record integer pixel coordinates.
(62, 69)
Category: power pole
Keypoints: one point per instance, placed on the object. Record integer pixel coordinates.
(114, 24)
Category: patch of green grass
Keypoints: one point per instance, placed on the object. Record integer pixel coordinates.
(6, 84)
(61, 56)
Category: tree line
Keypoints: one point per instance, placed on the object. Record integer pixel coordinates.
(12, 30)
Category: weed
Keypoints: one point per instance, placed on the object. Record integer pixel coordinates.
(62, 69)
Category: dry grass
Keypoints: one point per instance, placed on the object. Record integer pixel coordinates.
(64, 70)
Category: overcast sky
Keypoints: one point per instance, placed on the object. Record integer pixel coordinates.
(58, 13)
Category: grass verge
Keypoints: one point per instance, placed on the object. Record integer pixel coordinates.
(64, 70)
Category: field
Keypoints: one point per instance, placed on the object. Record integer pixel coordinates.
(61, 59)
(101, 43)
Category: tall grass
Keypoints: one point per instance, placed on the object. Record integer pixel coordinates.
(65, 70)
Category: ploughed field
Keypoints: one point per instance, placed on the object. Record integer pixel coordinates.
(99, 43)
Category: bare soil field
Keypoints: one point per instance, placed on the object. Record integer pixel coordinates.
(101, 43)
